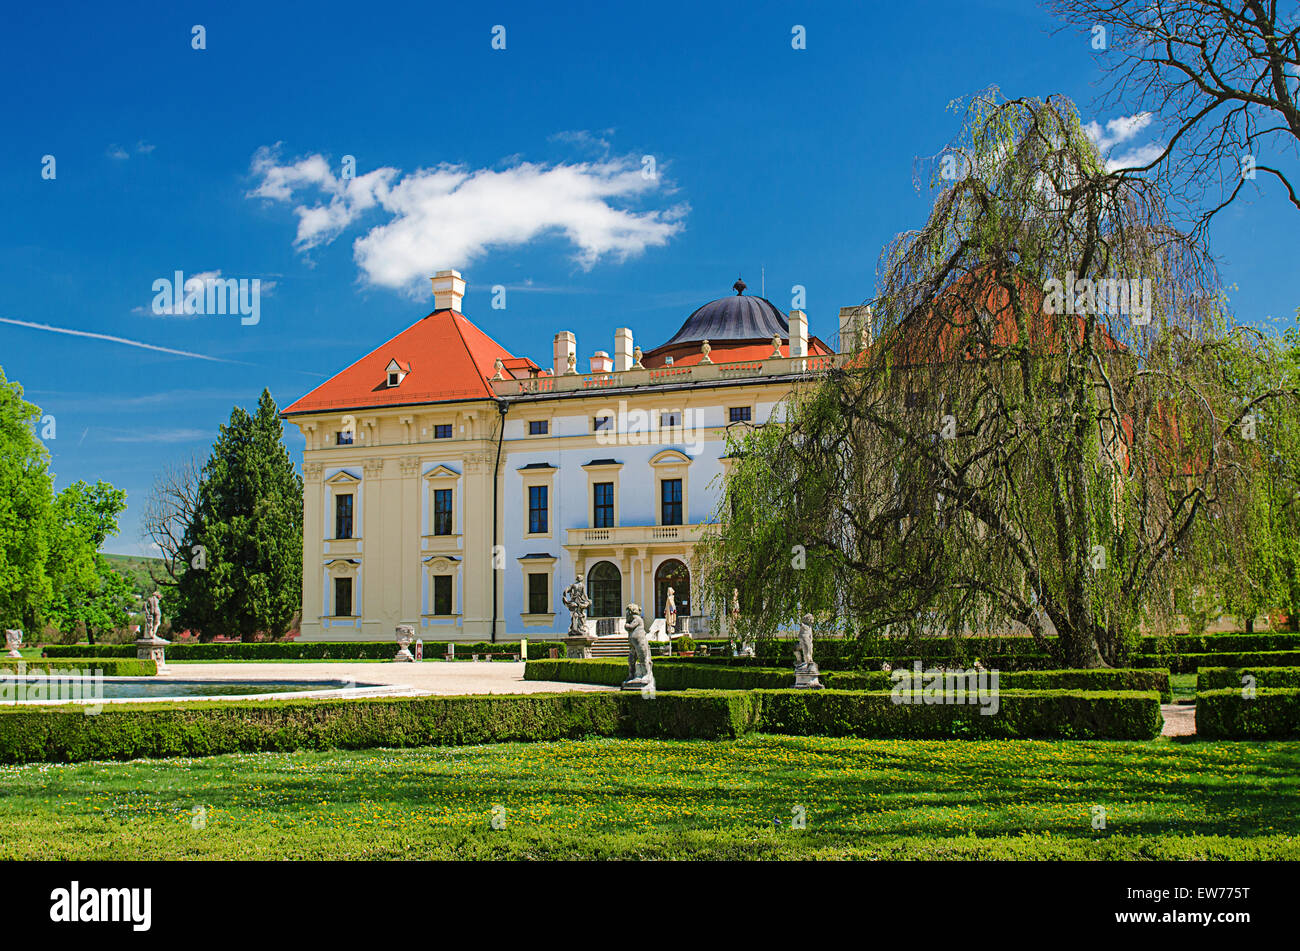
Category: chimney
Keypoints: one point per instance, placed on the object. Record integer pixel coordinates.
(798, 333)
(622, 349)
(565, 349)
(448, 290)
(600, 362)
(855, 328)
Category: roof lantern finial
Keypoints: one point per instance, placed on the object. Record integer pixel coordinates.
(739, 286)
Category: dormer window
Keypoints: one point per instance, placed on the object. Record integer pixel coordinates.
(396, 372)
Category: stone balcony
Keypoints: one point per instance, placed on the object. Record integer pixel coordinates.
(633, 536)
(675, 377)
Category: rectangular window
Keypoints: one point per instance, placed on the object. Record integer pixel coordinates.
(600, 423)
(670, 493)
(602, 515)
(442, 431)
(343, 439)
(670, 420)
(538, 427)
(539, 599)
(442, 511)
(442, 594)
(343, 515)
(537, 510)
(342, 597)
(739, 414)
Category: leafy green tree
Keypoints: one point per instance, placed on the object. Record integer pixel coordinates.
(244, 544)
(26, 494)
(86, 590)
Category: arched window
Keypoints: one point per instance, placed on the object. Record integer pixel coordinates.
(673, 574)
(605, 588)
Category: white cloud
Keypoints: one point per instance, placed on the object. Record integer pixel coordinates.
(1119, 131)
(584, 140)
(451, 215)
(1136, 158)
(117, 152)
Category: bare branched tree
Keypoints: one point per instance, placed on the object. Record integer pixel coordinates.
(1042, 434)
(168, 513)
(1221, 78)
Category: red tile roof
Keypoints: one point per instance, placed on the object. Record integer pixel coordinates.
(449, 359)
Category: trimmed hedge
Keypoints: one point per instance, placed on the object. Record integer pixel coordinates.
(1105, 680)
(129, 731)
(1007, 653)
(669, 674)
(685, 674)
(109, 666)
(1272, 714)
(1021, 715)
(1220, 643)
(1222, 678)
(201, 728)
(1182, 653)
(1189, 663)
(304, 650)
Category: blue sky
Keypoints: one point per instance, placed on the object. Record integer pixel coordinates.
(793, 163)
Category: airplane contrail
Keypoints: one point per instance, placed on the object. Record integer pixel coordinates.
(134, 343)
(122, 340)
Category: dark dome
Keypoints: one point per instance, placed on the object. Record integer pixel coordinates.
(733, 318)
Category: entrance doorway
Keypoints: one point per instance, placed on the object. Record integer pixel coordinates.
(673, 574)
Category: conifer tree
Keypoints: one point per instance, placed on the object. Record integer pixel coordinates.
(244, 545)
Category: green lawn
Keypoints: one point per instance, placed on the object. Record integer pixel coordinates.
(1182, 686)
(662, 799)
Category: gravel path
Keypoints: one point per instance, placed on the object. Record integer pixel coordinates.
(1180, 719)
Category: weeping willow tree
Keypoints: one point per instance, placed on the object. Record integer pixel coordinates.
(1269, 580)
(1037, 432)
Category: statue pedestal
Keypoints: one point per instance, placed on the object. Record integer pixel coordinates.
(805, 677)
(579, 647)
(152, 648)
(640, 683)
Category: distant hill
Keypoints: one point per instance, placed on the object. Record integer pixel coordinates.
(136, 568)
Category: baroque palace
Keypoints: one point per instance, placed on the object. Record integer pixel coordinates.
(457, 488)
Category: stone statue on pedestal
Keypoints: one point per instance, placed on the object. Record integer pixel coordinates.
(576, 599)
(578, 642)
(640, 670)
(670, 613)
(149, 646)
(805, 671)
(13, 641)
(746, 648)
